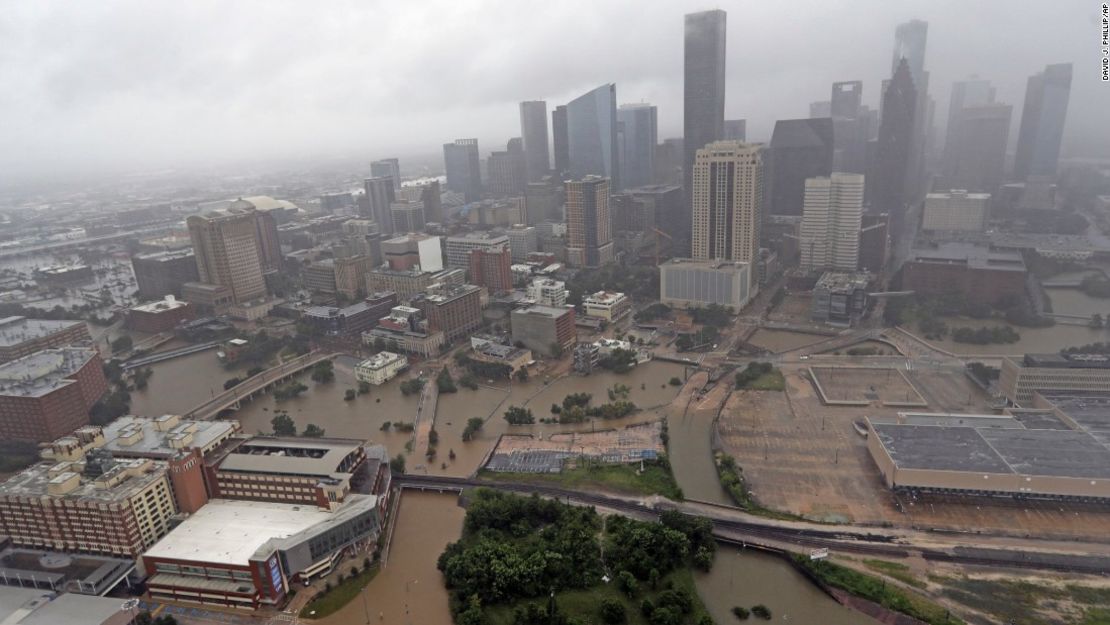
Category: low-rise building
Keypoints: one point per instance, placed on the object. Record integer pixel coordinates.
(840, 298)
(548, 292)
(380, 368)
(515, 357)
(978, 273)
(350, 321)
(955, 211)
(159, 316)
(97, 505)
(48, 394)
(607, 305)
(544, 329)
(20, 336)
(406, 330)
(455, 310)
(1020, 378)
(164, 273)
(491, 269)
(404, 282)
(459, 247)
(686, 283)
(209, 299)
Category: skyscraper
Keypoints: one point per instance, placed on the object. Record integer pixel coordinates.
(589, 225)
(892, 150)
(1042, 122)
(533, 129)
(507, 169)
(380, 195)
(819, 109)
(965, 93)
(464, 170)
(559, 140)
(800, 149)
(703, 86)
(736, 130)
(387, 167)
(847, 96)
(592, 135)
(909, 44)
(227, 252)
(831, 222)
(638, 132)
(407, 216)
(975, 154)
(726, 202)
(849, 127)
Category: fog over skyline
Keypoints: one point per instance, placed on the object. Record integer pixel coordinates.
(129, 85)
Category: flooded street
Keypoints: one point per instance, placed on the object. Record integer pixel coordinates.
(409, 589)
(1033, 340)
(746, 578)
(783, 340)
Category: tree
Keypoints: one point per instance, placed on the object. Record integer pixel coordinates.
(433, 437)
(1096, 321)
(445, 383)
(629, 585)
(111, 407)
(675, 382)
(283, 425)
(363, 387)
(408, 387)
(350, 394)
(516, 415)
(612, 612)
(231, 383)
(473, 424)
(141, 376)
(313, 431)
(555, 349)
(397, 464)
(740, 612)
(521, 375)
(473, 614)
(289, 391)
(323, 372)
(122, 344)
(761, 611)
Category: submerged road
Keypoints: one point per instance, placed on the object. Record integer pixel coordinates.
(734, 526)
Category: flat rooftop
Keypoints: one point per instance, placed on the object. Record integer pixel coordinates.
(16, 330)
(146, 435)
(43, 372)
(162, 305)
(30, 606)
(380, 360)
(321, 457)
(970, 254)
(167, 256)
(541, 311)
(230, 532)
(35, 481)
(939, 448)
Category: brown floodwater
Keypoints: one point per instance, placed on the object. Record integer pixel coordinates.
(783, 340)
(409, 588)
(1033, 340)
(179, 384)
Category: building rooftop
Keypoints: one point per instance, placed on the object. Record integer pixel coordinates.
(168, 255)
(162, 436)
(381, 360)
(43, 372)
(970, 254)
(479, 237)
(836, 281)
(705, 264)
(16, 330)
(541, 310)
(604, 297)
(31, 606)
(1067, 243)
(290, 456)
(960, 193)
(1067, 361)
(120, 479)
(162, 305)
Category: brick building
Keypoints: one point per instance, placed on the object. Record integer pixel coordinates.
(48, 394)
(492, 269)
(20, 336)
(159, 316)
(455, 310)
(544, 329)
(979, 274)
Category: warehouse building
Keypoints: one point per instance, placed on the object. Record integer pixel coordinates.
(1020, 378)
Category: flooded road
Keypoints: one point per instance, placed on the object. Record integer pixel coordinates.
(1033, 340)
(409, 589)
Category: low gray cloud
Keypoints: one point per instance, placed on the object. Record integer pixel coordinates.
(135, 83)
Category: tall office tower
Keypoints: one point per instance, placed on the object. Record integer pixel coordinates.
(227, 253)
(589, 225)
(560, 142)
(407, 216)
(822, 108)
(543, 200)
(592, 135)
(703, 85)
(533, 129)
(831, 222)
(638, 133)
(387, 167)
(975, 153)
(849, 127)
(800, 149)
(887, 181)
(909, 44)
(432, 200)
(1042, 122)
(736, 130)
(507, 175)
(726, 204)
(464, 169)
(847, 97)
(380, 195)
(965, 94)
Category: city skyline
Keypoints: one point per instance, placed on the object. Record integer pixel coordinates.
(81, 98)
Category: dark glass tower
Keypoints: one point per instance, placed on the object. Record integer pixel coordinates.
(703, 86)
(559, 139)
(638, 134)
(464, 173)
(1042, 122)
(592, 135)
(800, 149)
(533, 129)
(892, 150)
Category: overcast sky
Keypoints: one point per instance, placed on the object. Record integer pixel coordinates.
(134, 84)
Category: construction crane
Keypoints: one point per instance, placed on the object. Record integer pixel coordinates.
(659, 232)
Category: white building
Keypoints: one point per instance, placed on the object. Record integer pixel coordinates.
(955, 211)
(687, 283)
(459, 248)
(726, 215)
(548, 292)
(831, 221)
(380, 368)
(523, 240)
(607, 305)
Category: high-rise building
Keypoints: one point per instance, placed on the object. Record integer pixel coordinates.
(464, 170)
(49, 393)
(874, 242)
(458, 248)
(800, 149)
(638, 131)
(820, 109)
(492, 269)
(162, 273)
(592, 134)
(414, 251)
(533, 129)
(847, 97)
(1042, 122)
(589, 225)
(955, 211)
(560, 142)
(909, 44)
(703, 100)
(667, 203)
(228, 252)
(735, 130)
(407, 216)
(380, 196)
(507, 175)
(387, 168)
(543, 200)
(975, 154)
(850, 131)
(631, 213)
(455, 310)
(726, 203)
(831, 222)
(523, 240)
(965, 94)
(888, 179)
(428, 193)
